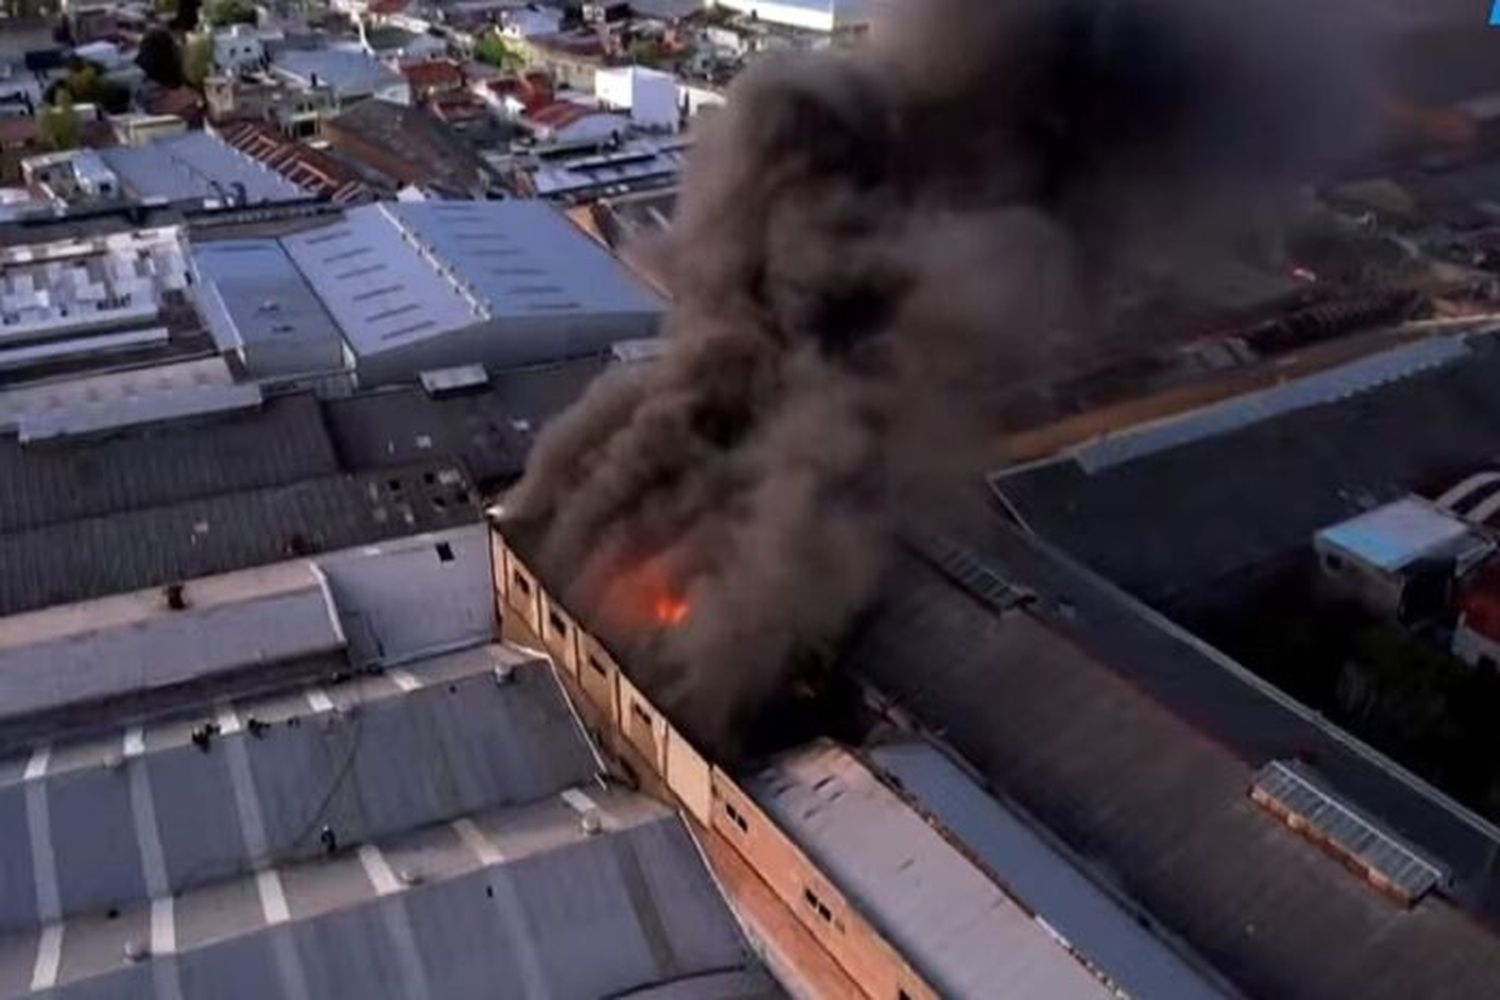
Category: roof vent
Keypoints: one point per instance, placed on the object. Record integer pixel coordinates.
(176, 597)
(1290, 791)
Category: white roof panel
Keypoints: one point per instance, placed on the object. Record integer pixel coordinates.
(1098, 925)
(1397, 534)
(115, 645)
(379, 289)
(960, 931)
(522, 258)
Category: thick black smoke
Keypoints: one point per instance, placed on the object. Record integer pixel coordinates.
(870, 249)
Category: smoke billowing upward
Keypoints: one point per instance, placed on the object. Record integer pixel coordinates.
(870, 248)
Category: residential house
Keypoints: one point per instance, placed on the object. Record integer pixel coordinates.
(349, 76)
(649, 96)
(568, 122)
(409, 146)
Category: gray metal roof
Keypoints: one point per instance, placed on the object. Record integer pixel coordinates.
(471, 853)
(348, 72)
(1099, 925)
(642, 164)
(1136, 748)
(193, 166)
(158, 465)
(369, 758)
(522, 258)
(253, 618)
(945, 915)
(113, 553)
(491, 431)
(415, 146)
(1169, 523)
(42, 400)
(382, 293)
(257, 302)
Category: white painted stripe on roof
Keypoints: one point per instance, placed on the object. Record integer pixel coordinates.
(478, 843)
(43, 857)
(135, 742)
(272, 897)
(48, 957)
(229, 721)
(147, 832)
(163, 926)
(36, 765)
(318, 701)
(378, 870)
(579, 801)
(405, 680)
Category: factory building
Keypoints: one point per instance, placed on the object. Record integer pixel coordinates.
(399, 289)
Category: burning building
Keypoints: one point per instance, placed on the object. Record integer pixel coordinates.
(870, 248)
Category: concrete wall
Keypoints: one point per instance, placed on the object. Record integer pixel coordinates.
(412, 597)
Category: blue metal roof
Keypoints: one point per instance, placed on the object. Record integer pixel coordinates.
(196, 165)
(257, 302)
(523, 258)
(1397, 534)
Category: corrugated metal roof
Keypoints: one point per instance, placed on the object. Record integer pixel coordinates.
(1258, 493)
(109, 389)
(110, 554)
(257, 302)
(946, 916)
(523, 258)
(1098, 925)
(379, 290)
(558, 914)
(199, 401)
(491, 432)
(466, 856)
(196, 165)
(1331, 386)
(1138, 762)
(348, 72)
(161, 465)
(251, 618)
(368, 758)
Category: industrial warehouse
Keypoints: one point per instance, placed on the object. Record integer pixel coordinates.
(742, 499)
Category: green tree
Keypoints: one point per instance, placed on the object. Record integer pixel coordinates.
(59, 126)
(222, 13)
(647, 52)
(197, 59)
(87, 84)
(492, 49)
(160, 59)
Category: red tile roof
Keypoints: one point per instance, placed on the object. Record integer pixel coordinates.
(434, 74)
(17, 132)
(559, 114)
(308, 168)
(184, 102)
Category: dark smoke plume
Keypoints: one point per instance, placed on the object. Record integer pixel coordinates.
(870, 249)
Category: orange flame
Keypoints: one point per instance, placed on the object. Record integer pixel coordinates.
(670, 610)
